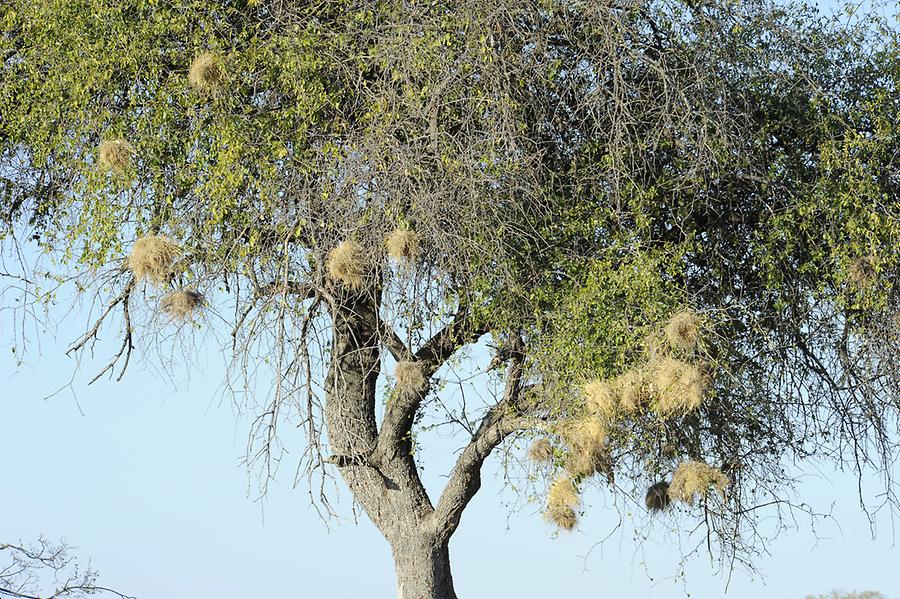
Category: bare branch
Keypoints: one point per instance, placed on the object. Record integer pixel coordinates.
(394, 343)
(402, 408)
(503, 419)
(461, 331)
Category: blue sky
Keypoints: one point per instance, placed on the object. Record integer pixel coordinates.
(145, 477)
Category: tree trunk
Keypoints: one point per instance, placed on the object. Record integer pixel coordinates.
(386, 484)
(423, 568)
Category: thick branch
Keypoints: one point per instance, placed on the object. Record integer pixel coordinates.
(394, 343)
(503, 419)
(465, 479)
(444, 344)
(401, 410)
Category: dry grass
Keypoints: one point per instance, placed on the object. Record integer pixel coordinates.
(182, 304)
(403, 245)
(541, 451)
(345, 263)
(207, 75)
(115, 155)
(657, 498)
(153, 257)
(655, 345)
(679, 387)
(633, 390)
(587, 447)
(696, 478)
(562, 501)
(602, 398)
(683, 330)
(410, 377)
(862, 272)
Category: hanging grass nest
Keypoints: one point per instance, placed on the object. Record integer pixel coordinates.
(588, 453)
(862, 272)
(411, 378)
(633, 390)
(692, 479)
(679, 386)
(115, 155)
(345, 264)
(207, 75)
(601, 398)
(562, 501)
(182, 304)
(153, 257)
(683, 330)
(657, 497)
(541, 451)
(403, 245)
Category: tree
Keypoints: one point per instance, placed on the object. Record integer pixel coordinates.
(675, 222)
(851, 595)
(24, 568)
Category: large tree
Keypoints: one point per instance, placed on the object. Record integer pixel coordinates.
(675, 223)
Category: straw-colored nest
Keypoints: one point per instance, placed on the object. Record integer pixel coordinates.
(692, 479)
(862, 272)
(345, 264)
(403, 245)
(562, 501)
(683, 330)
(587, 453)
(153, 257)
(679, 386)
(655, 344)
(410, 377)
(633, 390)
(207, 75)
(602, 398)
(182, 304)
(115, 155)
(657, 498)
(541, 451)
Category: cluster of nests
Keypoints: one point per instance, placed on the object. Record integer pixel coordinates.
(347, 262)
(663, 385)
(155, 259)
(691, 479)
(206, 76)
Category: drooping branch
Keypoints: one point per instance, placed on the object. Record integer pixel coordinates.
(127, 342)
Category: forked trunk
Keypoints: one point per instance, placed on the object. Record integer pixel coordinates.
(423, 569)
(386, 484)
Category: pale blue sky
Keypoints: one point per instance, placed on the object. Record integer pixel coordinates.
(145, 478)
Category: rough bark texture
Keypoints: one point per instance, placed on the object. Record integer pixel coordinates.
(378, 466)
(384, 482)
(423, 568)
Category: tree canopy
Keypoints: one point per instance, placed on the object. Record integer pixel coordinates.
(676, 223)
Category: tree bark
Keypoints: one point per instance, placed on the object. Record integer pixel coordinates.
(423, 567)
(385, 482)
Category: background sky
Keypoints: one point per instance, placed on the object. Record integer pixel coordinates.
(145, 478)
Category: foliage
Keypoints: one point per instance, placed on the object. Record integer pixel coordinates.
(692, 203)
